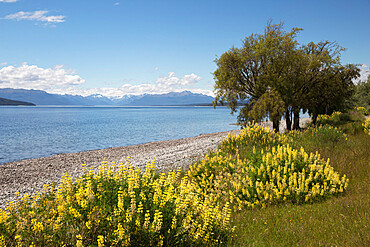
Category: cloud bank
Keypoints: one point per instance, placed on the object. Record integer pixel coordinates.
(9, 1)
(33, 77)
(165, 84)
(65, 81)
(40, 15)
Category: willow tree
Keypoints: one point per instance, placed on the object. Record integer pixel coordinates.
(309, 77)
(269, 105)
(245, 74)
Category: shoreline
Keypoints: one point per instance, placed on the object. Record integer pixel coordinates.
(30, 175)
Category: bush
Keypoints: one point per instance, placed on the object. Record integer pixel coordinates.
(268, 175)
(333, 119)
(366, 126)
(361, 110)
(252, 136)
(117, 206)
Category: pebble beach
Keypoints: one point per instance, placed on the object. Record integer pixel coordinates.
(30, 175)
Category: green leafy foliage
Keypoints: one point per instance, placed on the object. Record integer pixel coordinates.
(361, 96)
(273, 69)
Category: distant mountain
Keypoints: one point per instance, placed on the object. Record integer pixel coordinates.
(43, 98)
(14, 102)
(182, 98)
(39, 97)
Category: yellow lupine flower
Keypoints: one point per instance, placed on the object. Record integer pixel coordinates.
(100, 241)
(2, 241)
(79, 241)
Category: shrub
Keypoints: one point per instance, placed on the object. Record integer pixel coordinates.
(323, 119)
(252, 136)
(335, 116)
(266, 176)
(333, 119)
(117, 206)
(361, 110)
(366, 126)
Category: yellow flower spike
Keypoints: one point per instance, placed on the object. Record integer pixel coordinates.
(79, 241)
(100, 241)
(2, 241)
(88, 225)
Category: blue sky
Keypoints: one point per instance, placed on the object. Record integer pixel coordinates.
(116, 47)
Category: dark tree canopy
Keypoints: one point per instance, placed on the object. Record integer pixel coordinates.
(361, 96)
(273, 69)
(270, 105)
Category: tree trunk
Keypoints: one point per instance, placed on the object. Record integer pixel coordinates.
(288, 120)
(327, 109)
(275, 125)
(296, 119)
(314, 118)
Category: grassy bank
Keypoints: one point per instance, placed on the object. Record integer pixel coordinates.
(339, 221)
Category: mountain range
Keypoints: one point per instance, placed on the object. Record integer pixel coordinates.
(39, 97)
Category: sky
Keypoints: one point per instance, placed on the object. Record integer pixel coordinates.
(120, 47)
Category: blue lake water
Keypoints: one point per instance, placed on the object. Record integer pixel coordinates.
(32, 132)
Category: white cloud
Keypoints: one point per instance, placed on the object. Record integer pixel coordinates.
(364, 73)
(165, 84)
(8, 1)
(172, 81)
(65, 81)
(33, 77)
(40, 15)
(116, 4)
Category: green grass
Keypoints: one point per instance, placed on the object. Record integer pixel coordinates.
(339, 221)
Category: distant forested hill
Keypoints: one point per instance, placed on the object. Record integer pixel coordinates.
(4, 101)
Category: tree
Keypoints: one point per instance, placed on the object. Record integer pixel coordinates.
(330, 93)
(271, 68)
(249, 72)
(327, 83)
(270, 105)
(361, 96)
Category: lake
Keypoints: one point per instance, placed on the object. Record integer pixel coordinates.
(33, 132)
